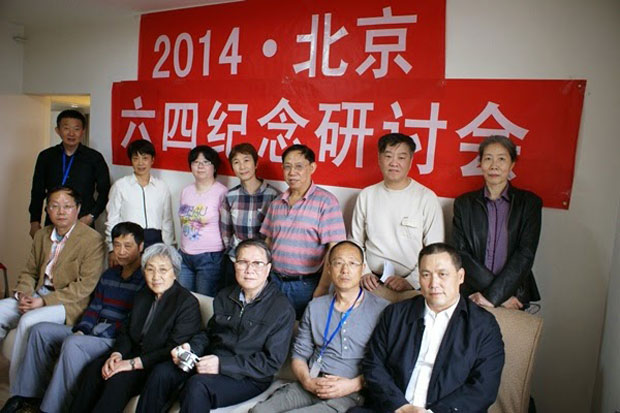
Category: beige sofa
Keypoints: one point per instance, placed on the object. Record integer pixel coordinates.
(521, 332)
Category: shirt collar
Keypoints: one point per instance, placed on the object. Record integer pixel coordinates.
(62, 148)
(54, 235)
(135, 179)
(259, 191)
(445, 313)
(504, 195)
(309, 192)
(242, 295)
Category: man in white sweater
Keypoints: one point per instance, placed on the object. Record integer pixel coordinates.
(394, 219)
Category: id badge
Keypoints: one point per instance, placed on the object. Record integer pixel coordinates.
(315, 369)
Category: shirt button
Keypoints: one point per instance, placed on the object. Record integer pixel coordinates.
(344, 339)
(345, 347)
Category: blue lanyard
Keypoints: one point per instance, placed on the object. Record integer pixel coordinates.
(65, 168)
(342, 320)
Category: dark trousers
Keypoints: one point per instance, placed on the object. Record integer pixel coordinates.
(228, 272)
(199, 393)
(98, 395)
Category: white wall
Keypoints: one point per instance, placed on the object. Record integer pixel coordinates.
(485, 39)
(606, 395)
(11, 58)
(560, 39)
(23, 134)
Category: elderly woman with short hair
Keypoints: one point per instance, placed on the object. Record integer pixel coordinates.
(240, 350)
(164, 315)
(496, 230)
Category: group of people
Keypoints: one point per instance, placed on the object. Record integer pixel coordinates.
(267, 258)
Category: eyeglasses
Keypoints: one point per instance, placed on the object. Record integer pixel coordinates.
(58, 207)
(338, 264)
(159, 271)
(202, 163)
(298, 167)
(254, 265)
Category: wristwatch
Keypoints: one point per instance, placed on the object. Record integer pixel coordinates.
(132, 363)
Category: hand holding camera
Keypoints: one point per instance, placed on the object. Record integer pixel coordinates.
(183, 357)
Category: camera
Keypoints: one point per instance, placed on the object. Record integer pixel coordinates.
(187, 359)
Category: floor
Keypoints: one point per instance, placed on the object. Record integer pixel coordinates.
(4, 380)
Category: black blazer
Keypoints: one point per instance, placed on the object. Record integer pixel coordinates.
(467, 369)
(469, 234)
(176, 320)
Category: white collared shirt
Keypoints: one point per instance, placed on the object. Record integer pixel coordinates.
(149, 207)
(435, 326)
(55, 250)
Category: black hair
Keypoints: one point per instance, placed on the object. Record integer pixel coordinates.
(502, 140)
(440, 247)
(140, 147)
(208, 152)
(69, 190)
(71, 114)
(244, 148)
(303, 149)
(346, 242)
(393, 139)
(124, 228)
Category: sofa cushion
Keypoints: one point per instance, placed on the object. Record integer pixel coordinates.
(521, 333)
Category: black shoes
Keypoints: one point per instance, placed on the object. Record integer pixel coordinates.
(19, 404)
(13, 404)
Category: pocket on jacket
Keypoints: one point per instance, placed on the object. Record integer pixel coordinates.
(252, 326)
(410, 228)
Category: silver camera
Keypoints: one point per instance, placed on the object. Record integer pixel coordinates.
(187, 360)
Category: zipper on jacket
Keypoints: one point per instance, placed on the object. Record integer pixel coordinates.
(146, 219)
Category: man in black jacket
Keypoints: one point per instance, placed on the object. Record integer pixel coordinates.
(70, 163)
(438, 351)
(244, 345)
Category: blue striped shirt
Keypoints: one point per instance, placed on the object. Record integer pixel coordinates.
(112, 301)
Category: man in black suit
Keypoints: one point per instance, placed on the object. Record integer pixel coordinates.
(436, 352)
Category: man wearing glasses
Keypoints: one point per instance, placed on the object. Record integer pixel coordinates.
(63, 268)
(301, 225)
(330, 343)
(243, 346)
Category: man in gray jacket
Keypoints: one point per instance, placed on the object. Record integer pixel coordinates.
(331, 341)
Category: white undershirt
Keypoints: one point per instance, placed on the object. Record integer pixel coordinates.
(435, 328)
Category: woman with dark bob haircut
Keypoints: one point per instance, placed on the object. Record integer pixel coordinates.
(201, 246)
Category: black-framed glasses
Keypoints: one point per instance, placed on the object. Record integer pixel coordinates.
(255, 265)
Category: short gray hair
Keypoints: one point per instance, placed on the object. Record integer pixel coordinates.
(163, 250)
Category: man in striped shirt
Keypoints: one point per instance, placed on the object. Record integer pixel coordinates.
(300, 227)
(88, 339)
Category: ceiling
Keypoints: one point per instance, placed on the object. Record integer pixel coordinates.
(61, 102)
(43, 13)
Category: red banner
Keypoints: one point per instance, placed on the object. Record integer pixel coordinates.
(446, 118)
(301, 39)
(337, 75)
